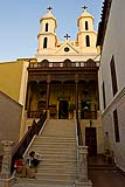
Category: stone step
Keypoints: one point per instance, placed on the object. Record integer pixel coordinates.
(56, 176)
(54, 146)
(57, 162)
(56, 169)
(58, 165)
(57, 149)
(58, 156)
(39, 144)
(48, 148)
(55, 138)
(57, 152)
(43, 137)
(50, 153)
(54, 141)
(62, 134)
(55, 173)
(27, 182)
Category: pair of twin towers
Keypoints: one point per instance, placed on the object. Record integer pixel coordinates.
(49, 44)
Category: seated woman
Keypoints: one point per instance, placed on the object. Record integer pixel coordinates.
(22, 169)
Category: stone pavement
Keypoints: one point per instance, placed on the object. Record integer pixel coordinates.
(105, 175)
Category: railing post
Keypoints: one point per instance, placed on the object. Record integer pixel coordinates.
(5, 178)
(74, 114)
(82, 164)
(48, 114)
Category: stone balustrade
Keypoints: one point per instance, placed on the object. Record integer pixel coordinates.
(5, 177)
(82, 168)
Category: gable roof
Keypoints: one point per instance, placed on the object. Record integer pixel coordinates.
(67, 44)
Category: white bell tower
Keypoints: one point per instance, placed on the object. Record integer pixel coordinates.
(47, 37)
(86, 36)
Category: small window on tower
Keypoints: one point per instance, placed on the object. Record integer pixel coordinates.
(45, 41)
(86, 25)
(87, 41)
(46, 27)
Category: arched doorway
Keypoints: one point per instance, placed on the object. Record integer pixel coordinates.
(63, 109)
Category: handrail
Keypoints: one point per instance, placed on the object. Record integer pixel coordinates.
(23, 144)
(79, 133)
(79, 130)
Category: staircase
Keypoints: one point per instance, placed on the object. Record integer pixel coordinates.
(57, 146)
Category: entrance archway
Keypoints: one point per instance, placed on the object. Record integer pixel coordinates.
(63, 109)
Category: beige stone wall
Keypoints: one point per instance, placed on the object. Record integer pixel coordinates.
(13, 82)
(10, 79)
(13, 79)
(10, 118)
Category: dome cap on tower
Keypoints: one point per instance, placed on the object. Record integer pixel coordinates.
(48, 15)
(85, 14)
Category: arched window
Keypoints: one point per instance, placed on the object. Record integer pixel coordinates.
(87, 41)
(86, 25)
(67, 63)
(46, 27)
(45, 41)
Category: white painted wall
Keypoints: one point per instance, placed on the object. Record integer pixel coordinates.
(114, 44)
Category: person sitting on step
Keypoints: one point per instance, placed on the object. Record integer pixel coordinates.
(22, 169)
(33, 160)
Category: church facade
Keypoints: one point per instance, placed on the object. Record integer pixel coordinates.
(61, 66)
(62, 78)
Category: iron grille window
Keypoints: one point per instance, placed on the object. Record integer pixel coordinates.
(116, 128)
(113, 76)
(103, 91)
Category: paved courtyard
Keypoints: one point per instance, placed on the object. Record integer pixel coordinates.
(105, 175)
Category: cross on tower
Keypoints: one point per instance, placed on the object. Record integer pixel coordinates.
(84, 7)
(67, 36)
(49, 8)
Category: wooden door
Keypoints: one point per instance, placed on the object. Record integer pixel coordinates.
(91, 140)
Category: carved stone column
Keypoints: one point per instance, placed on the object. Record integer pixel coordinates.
(82, 169)
(5, 178)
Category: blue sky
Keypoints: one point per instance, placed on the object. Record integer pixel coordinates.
(19, 23)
